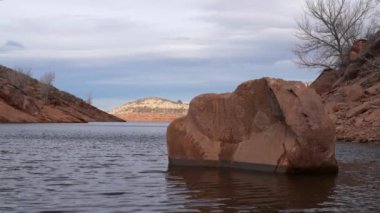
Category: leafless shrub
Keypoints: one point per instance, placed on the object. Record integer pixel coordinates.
(46, 81)
(19, 78)
(371, 55)
(89, 98)
(373, 65)
(328, 30)
(48, 78)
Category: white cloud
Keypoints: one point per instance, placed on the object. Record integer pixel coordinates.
(88, 29)
(173, 43)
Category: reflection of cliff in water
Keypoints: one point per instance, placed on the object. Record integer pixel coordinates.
(209, 189)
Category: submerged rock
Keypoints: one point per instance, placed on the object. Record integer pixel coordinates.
(266, 125)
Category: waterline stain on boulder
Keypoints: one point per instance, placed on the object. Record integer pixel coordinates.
(265, 125)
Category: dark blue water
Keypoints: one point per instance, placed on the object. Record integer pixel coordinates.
(113, 167)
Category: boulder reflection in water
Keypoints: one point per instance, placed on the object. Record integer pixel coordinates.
(228, 189)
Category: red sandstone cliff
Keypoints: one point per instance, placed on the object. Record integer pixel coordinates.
(26, 100)
(151, 110)
(351, 94)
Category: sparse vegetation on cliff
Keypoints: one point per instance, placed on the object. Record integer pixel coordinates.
(24, 99)
(20, 78)
(151, 109)
(342, 37)
(352, 94)
(46, 80)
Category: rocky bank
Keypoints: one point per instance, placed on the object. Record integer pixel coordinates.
(26, 100)
(266, 125)
(151, 110)
(351, 94)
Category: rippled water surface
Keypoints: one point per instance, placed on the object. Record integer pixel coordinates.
(113, 167)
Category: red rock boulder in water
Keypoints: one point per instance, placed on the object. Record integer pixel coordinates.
(266, 125)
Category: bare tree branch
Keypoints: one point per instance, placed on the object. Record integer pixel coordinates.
(328, 30)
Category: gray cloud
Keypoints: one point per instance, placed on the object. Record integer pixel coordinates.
(173, 48)
(208, 28)
(11, 45)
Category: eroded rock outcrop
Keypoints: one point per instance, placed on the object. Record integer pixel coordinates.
(266, 124)
(357, 49)
(151, 110)
(351, 94)
(22, 101)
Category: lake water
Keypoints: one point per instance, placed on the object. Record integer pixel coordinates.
(123, 167)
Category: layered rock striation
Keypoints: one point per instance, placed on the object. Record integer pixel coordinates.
(26, 100)
(266, 125)
(151, 110)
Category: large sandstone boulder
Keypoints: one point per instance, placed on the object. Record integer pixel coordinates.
(266, 125)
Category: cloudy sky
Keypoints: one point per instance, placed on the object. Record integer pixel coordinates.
(121, 50)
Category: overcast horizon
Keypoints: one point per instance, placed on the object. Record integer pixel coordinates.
(122, 50)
